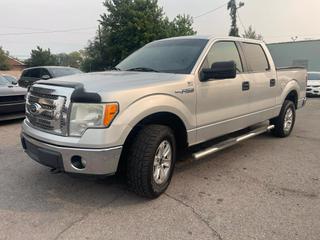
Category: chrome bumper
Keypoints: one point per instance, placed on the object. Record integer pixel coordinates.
(96, 161)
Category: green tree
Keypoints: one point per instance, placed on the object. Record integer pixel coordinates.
(41, 57)
(251, 33)
(73, 59)
(127, 26)
(233, 7)
(4, 65)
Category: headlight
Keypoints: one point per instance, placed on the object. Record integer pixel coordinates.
(87, 115)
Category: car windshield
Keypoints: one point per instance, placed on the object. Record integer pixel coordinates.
(169, 56)
(60, 72)
(3, 81)
(314, 76)
(10, 78)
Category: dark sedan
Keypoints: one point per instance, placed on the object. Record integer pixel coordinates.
(12, 100)
(31, 75)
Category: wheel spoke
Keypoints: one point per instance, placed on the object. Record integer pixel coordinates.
(162, 162)
(156, 174)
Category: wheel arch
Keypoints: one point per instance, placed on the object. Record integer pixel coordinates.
(293, 96)
(165, 118)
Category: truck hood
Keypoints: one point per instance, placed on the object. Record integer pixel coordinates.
(12, 91)
(116, 80)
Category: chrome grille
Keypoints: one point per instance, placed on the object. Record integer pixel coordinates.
(47, 108)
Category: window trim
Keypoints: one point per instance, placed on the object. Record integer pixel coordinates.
(244, 64)
(249, 69)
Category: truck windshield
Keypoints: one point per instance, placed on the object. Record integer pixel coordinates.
(169, 56)
(314, 76)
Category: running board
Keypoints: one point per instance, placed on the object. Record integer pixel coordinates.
(230, 142)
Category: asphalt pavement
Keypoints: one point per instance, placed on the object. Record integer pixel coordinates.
(264, 188)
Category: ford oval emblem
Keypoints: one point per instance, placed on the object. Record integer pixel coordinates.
(35, 108)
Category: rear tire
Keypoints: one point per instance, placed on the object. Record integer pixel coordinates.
(151, 159)
(284, 123)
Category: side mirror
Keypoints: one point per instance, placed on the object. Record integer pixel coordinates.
(45, 77)
(15, 82)
(219, 70)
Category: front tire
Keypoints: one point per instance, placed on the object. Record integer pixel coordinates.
(151, 160)
(284, 123)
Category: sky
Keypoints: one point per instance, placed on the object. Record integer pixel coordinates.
(73, 22)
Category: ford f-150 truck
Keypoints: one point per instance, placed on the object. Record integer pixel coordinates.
(169, 95)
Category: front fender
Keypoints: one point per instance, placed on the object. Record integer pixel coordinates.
(131, 115)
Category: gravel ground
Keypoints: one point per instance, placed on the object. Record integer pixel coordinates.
(264, 188)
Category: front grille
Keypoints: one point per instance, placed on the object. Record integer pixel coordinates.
(47, 109)
(12, 99)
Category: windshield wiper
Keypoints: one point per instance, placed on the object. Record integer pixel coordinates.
(142, 69)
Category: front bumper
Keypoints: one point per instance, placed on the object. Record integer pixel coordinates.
(96, 161)
(313, 91)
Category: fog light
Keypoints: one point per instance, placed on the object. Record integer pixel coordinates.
(78, 163)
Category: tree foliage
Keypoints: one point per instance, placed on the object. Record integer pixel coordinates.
(41, 57)
(44, 57)
(129, 25)
(4, 65)
(73, 59)
(251, 33)
(233, 7)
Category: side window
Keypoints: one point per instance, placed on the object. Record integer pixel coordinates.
(256, 57)
(25, 73)
(34, 73)
(223, 52)
(44, 72)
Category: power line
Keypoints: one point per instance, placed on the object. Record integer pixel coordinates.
(24, 28)
(244, 28)
(211, 11)
(47, 32)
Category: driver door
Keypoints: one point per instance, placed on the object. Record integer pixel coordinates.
(222, 104)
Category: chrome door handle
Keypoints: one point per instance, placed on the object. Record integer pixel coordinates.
(185, 90)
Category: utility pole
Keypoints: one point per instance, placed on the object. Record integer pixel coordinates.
(233, 7)
(100, 40)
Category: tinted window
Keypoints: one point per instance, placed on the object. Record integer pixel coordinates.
(32, 73)
(171, 56)
(60, 72)
(45, 72)
(256, 58)
(314, 76)
(223, 52)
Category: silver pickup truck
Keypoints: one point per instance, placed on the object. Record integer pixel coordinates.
(169, 95)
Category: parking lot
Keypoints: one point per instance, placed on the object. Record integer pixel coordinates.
(265, 188)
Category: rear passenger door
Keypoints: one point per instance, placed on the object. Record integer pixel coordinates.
(263, 84)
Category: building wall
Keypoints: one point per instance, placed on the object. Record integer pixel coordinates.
(16, 68)
(301, 53)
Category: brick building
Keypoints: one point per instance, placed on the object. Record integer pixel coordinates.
(16, 67)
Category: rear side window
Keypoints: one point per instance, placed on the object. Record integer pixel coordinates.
(223, 52)
(256, 57)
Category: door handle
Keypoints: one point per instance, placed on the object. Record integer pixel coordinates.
(245, 86)
(272, 82)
